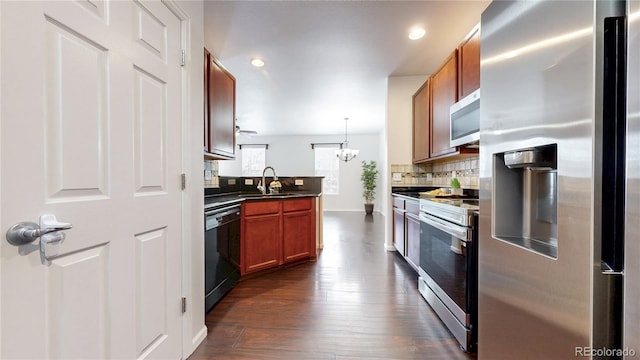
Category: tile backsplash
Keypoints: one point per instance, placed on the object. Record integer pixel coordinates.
(438, 174)
(211, 174)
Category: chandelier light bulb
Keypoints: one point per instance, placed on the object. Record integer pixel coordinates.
(345, 153)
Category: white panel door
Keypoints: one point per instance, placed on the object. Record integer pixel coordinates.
(90, 132)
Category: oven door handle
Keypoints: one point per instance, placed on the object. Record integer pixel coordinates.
(223, 211)
(215, 218)
(459, 232)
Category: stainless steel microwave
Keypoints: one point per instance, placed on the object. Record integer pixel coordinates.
(465, 120)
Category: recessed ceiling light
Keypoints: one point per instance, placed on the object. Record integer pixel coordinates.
(257, 62)
(417, 33)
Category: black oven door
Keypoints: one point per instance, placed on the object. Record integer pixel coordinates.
(446, 254)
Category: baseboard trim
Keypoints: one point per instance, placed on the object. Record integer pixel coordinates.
(199, 338)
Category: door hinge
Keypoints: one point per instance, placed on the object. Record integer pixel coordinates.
(182, 61)
(184, 305)
(183, 181)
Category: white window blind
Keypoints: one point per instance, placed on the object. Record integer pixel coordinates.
(253, 160)
(328, 165)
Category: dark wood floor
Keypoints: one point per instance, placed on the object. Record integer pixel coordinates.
(357, 301)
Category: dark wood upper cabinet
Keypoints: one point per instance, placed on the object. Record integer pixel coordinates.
(469, 63)
(444, 93)
(220, 114)
(457, 76)
(421, 116)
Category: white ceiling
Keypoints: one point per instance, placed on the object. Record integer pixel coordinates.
(327, 60)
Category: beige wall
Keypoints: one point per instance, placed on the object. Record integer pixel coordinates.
(398, 135)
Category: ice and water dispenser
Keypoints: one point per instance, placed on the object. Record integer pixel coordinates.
(525, 198)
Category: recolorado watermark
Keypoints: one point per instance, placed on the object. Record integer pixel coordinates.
(587, 351)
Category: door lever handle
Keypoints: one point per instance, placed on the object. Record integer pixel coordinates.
(27, 232)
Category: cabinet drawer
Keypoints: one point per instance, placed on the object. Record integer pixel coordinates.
(261, 208)
(413, 207)
(297, 204)
(398, 202)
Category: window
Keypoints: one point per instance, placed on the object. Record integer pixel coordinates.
(328, 165)
(253, 160)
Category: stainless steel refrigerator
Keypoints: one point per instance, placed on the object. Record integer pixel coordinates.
(559, 250)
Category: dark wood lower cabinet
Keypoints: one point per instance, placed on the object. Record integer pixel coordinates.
(406, 229)
(398, 224)
(412, 226)
(277, 232)
(296, 235)
(398, 230)
(262, 242)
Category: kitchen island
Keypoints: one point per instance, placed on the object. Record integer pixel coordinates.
(276, 229)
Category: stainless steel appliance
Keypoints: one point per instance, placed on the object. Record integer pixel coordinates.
(448, 264)
(559, 253)
(221, 251)
(465, 120)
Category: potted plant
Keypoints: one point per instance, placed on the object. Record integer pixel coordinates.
(368, 178)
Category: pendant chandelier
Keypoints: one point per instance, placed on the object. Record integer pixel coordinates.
(345, 153)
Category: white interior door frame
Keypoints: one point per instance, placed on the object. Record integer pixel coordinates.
(2, 236)
(186, 213)
(190, 340)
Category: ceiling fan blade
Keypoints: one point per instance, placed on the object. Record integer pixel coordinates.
(248, 132)
(245, 132)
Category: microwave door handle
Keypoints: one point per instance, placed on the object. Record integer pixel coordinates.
(458, 233)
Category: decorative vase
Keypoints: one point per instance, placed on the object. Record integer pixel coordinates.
(368, 209)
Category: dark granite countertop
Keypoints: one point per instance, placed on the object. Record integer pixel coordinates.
(230, 199)
(413, 195)
(414, 192)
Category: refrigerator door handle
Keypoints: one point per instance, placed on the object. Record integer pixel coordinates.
(612, 141)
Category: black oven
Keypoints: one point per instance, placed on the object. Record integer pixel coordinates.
(448, 272)
(221, 252)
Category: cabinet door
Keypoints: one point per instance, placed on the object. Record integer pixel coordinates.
(261, 244)
(469, 63)
(412, 225)
(444, 93)
(398, 230)
(421, 118)
(297, 230)
(222, 111)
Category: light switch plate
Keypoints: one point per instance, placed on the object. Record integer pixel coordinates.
(232, 182)
(396, 176)
(208, 174)
(299, 182)
(248, 181)
(429, 176)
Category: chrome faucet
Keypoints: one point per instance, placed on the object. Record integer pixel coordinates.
(262, 185)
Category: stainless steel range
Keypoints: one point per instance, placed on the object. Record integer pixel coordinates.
(448, 264)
